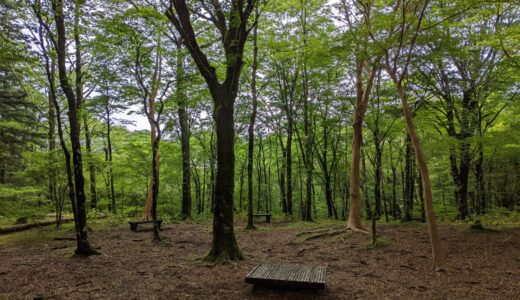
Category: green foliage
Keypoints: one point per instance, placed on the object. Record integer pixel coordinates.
(319, 37)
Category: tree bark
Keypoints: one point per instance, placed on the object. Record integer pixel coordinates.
(224, 244)
(185, 137)
(233, 32)
(83, 245)
(251, 130)
(362, 96)
(438, 262)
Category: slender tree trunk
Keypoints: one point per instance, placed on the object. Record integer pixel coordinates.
(212, 178)
(289, 165)
(251, 133)
(240, 196)
(282, 177)
(155, 187)
(307, 152)
(362, 96)
(378, 173)
(185, 137)
(83, 245)
(409, 175)
(110, 162)
(52, 189)
(438, 262)
(364, 185)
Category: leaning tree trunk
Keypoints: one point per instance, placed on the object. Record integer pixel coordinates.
(438, 262)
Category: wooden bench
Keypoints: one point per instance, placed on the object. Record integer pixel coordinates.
(290, 276)
(267, 217)
(134, 224)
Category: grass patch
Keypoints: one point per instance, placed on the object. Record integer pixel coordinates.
(35, 236)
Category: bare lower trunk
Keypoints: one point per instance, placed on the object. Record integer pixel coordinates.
(362, 96)
(224, 245)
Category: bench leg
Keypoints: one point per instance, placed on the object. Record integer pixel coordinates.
(133, 227)
(268, 219)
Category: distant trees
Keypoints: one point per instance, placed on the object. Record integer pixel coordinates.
(289, 107)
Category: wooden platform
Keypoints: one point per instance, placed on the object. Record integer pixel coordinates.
(294, 276)
(267, 217)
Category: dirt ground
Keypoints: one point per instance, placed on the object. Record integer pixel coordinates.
(482, 265)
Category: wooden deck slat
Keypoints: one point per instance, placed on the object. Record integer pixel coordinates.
(288, 275)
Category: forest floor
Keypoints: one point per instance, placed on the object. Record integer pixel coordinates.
(481, 264)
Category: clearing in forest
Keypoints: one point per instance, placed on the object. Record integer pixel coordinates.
(481, 264)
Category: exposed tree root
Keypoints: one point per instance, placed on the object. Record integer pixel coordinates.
(317, 231)
(325, 234)
(359, 229)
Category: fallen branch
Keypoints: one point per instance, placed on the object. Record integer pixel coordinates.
(22, 227)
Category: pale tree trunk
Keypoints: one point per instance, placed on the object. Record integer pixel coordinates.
(362, 96)
(155, 136)
(438, 262)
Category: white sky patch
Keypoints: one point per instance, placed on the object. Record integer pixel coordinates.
(139, 122)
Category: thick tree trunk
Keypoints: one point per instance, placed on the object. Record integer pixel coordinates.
(224, 245)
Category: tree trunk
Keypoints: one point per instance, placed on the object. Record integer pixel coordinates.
(251, 133)
(110, 163)
(289, 166)
(52, 188)
(378, 157)
(224, 245)
(80, 216)
(185, 137)
(362, 96)
(438, 262)
(364, 184)
(409, 188)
